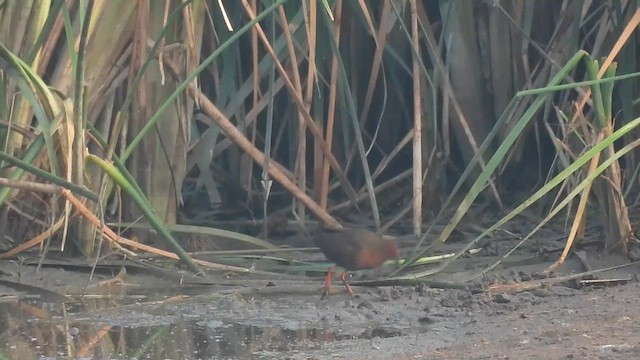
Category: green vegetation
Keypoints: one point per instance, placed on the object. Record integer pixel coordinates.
(262, 117)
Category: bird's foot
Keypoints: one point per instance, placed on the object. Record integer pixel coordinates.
(343, 277)
(325, 293)
(327, 283)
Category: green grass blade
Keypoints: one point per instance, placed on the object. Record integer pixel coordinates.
(148, 211)
(499, 155)
(156, 117)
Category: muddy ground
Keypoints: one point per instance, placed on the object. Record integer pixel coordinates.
(146, 316)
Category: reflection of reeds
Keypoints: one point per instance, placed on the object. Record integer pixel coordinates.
(31, 331)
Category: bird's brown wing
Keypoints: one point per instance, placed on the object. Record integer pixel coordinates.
(341, 248)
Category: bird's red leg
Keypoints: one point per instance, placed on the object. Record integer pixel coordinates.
(343, 276)
(327, 283)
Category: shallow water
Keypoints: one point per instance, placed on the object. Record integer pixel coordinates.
(148, 318)
(175, 328)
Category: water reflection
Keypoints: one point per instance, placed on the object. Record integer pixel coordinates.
(30, 330)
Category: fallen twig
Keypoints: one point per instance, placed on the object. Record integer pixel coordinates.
(535, 284)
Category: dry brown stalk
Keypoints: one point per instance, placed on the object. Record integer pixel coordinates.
(258, 156)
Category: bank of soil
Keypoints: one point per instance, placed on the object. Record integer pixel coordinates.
(557, 322)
